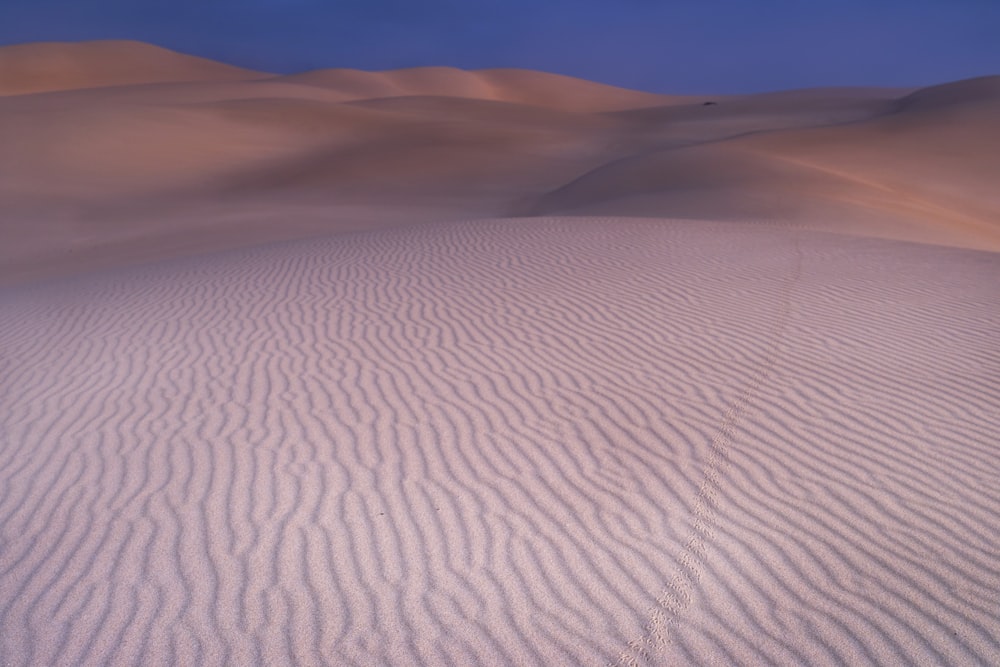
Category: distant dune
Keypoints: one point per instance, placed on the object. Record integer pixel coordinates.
(505, 85)
(121, 151)
(43, 67)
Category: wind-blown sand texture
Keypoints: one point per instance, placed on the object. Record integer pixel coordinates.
(553, 440)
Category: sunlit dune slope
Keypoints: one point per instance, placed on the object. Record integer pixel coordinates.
(119, 152)
(933, 161)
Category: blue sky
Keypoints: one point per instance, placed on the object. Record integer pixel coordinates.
(682, 46)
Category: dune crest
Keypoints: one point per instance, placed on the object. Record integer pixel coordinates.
(503, 85)
(53, 66)
(977, 91)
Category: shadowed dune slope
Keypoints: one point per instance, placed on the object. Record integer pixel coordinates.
(954, 96)
(538, 442)
(198, 156)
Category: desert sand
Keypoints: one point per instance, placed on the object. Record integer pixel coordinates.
(435, 367)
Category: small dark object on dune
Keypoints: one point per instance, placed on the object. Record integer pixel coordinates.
(709, 104)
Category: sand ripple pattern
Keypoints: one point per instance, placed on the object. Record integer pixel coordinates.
(507, 442)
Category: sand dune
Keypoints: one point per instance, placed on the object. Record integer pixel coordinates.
(502, 85)
(906, 169)
(196, 155)
(552, 441)
(970, 93)
(500, 367)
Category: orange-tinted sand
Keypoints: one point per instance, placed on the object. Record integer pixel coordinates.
(442, 367)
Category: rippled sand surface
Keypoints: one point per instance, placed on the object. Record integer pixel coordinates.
(553, 441)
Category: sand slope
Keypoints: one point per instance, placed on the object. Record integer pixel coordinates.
(199, 156)
(916, 167)
(551, 442)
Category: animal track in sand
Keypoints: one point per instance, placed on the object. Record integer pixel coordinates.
(677, 595)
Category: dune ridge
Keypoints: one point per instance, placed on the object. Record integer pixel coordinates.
(54, 66)
(516, 86)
